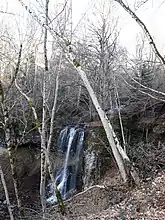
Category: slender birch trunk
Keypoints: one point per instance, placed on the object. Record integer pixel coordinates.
(120, 118)
(43, 129)
(57, 192)
(43, 149)
(6, 194)
(54, 105)
(47, 161)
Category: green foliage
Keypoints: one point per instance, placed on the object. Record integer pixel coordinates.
(60, 201)
(68, 43)
(38, 123)
(30, 102)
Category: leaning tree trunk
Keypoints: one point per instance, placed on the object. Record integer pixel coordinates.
(122, 160)
(106, 124)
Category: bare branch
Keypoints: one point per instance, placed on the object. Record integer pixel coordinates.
(143, 86)
(144, 28)
(139, 4)
(31, 105)
(145, 93)
(5, 12)
(16, 70)
(59, 12)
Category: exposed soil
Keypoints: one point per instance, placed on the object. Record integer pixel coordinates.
(116, 202)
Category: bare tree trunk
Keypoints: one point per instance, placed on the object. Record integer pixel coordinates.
(119, 114)
(54, 105)
(57, 192)
(107, 126)
(15, 182)
(43, 149)
(43, 130)
(78, 97)
(47, 161)
(6, 194)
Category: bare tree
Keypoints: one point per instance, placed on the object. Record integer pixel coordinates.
(43, 129)
(104, 47)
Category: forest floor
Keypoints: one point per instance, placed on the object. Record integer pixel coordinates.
(109, 200)
(115, 202)
(146, 202)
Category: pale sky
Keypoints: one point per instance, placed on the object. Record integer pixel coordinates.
(152, 13)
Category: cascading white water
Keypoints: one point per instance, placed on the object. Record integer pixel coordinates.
(62, 185)
(70, 143)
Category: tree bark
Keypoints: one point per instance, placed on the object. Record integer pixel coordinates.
(43, 129)
(6, 194)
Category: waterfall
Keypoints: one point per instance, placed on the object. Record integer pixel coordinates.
(63, 184)
(67, 177)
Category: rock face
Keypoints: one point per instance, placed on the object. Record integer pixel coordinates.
(98, 158)
(27, 165)
(91, 168)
